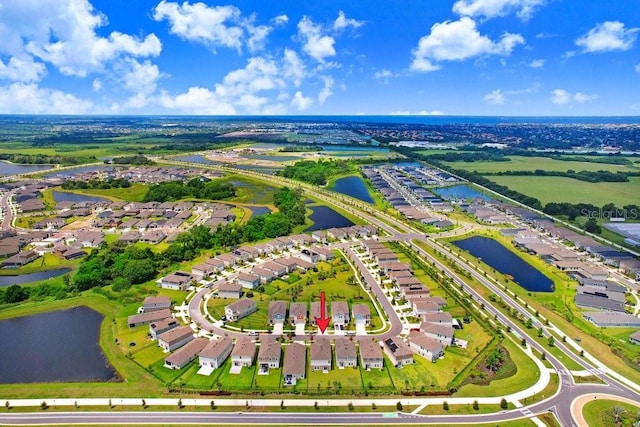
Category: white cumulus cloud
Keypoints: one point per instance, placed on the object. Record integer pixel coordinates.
(280, 20)
(495, 97)
(457, 41)
(608, 36)
(197, 100)
(342, 22)
(493, 8)
(301, 102)
(537, 63)
(327, 89)
(564, 97)
(22, 70)
(637, 68)
(316, 44)
(64, 33)
(29, 98)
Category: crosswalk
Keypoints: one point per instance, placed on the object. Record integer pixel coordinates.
(526, 412)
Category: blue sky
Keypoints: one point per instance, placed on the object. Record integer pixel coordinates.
(453, 57)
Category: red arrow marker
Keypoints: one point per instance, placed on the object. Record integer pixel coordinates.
(323, 321)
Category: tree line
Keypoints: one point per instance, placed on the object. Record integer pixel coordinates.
(195, 188)
(587, 176)
(43, 159)
(315, 173)
(70, 184)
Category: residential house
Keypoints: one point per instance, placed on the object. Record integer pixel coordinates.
(319, 236)
(277, 312)
(405, 282)
(298, 313)
(321, 354)
(309, 255)
(611, 319)
(175, 338)
(339, 314)
(161, 326)
(425, 346)
(146, 318)
(178, 281)
(216, 352)
(444, 334)
(19, 259)
(394, 266)
(635, 338)
(244, 352)
(154, 303)
(361, 314)
(278, 270)
(228, 259)
(302, 264)
(314, 312)
(295, 363)
(370, 355)
(229, 290)
(249, 281)
(439, 318)
(265, 275)
(346, 355)
(336, 234)
(205, 269)
(288, 263)
(239, 309)
(398, 351)
(269, 354)
(181, 358)
(325, 254)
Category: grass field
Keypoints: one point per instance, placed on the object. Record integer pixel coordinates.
(602, 413)
(521, 163)
(135, 193)
(546, 189)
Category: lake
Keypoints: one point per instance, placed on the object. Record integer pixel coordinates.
(59, 346)
(324, 217)
(63, 196)
(69, 173)
(32, 277)
(460, 192)
(353, 186)
(195, 158)
(503, 260)
(259, 210)
(7, 168)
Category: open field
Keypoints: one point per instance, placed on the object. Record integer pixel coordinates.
(522, 163)
(135, 193)
(545, 189)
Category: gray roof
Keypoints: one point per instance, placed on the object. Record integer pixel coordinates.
(176, 334)
(591, 301)
(277, 307)
(321, 349)
(270, 348)
(241, 305)
(216, 347)
(244, 348)
(425, 342)
(151, 316)
(370, 350)
(345, 348)
(295, 360)
(604, 318)
(188, 352)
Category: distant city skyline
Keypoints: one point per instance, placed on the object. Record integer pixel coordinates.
(381, 57)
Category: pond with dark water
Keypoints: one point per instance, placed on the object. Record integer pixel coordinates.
(271, 157)
(506, 262)
(324, 217)
(59, 346)
(353, 186)
(196, 158)
(7, 168)
(32, 277)
(63, 196)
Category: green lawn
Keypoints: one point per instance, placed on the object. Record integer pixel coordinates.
(347, 378)
(602, 413)
(545, 189)
(419, 376)
(377, 379)
(135, 193)
(522, 163)
(526, 375)
(271, 381)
